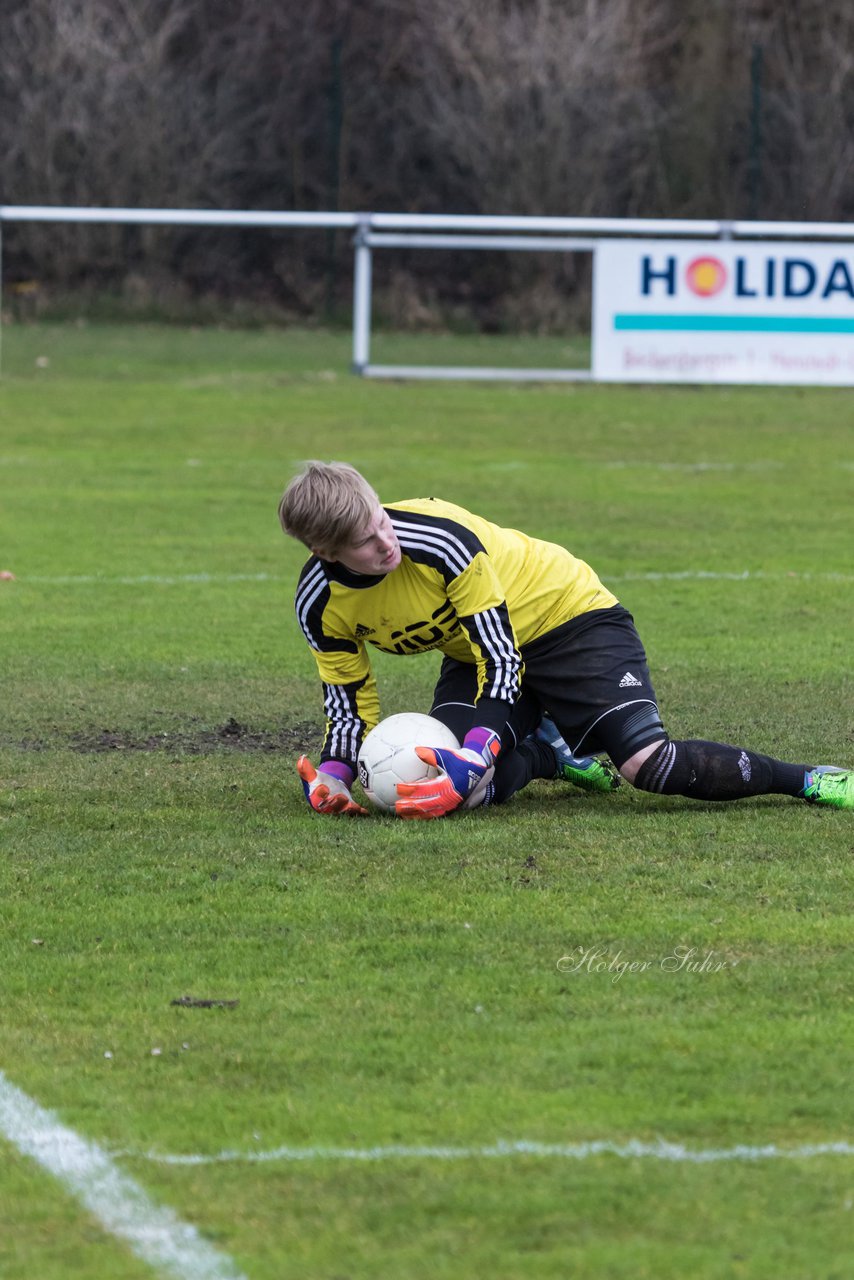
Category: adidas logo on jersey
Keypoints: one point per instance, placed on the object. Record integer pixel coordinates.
(630, 682)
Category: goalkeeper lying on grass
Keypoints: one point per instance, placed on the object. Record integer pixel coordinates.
(544, 674)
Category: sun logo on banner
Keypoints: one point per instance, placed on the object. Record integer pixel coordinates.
(705, 276)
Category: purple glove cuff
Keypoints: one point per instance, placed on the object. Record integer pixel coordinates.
(343, 772)
(477, 739)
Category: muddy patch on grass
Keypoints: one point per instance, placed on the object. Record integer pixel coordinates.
(190, 739)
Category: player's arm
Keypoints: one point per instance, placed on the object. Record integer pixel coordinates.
(499, 664)
(350, 702)
(465, 775)
(352, 707)
(479, 600)
(450, 542)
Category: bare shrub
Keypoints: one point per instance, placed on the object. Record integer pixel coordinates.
(582, 107)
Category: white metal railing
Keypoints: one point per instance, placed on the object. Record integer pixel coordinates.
(175, 217)
(709, 227)
(437, 231)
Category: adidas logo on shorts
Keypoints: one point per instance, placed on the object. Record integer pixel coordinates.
(630, 682)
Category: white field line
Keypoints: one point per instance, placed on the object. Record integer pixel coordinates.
(746, 575)
(690, 468)
(204, 579)
(631, 1150)
(153, 1233)
(146, 579)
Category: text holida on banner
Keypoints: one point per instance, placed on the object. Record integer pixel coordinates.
(723, 311)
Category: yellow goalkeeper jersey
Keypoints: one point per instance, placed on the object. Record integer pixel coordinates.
(475, 591)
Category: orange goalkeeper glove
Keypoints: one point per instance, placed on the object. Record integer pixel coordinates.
(463, 781)
(325, 792)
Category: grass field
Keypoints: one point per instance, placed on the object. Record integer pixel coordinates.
(410, 997)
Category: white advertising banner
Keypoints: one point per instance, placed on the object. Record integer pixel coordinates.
(723, 311)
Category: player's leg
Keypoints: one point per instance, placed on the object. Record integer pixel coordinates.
(634, 737)
(454, 704)
(692, 767)
(716, 771)
(576, 672)
(598, 670)
(535, 746)
(590, 773)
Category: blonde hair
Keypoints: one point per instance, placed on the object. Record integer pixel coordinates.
(325, 505)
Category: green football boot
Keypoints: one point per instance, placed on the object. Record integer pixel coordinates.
(590, 773)
(831, 786)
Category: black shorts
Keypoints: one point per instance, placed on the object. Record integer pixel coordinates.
(590, 675)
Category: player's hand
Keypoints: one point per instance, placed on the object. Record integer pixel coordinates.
(463, 775)
(324, 792)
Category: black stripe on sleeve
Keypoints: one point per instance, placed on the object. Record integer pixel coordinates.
(345, 727)
(491, 633)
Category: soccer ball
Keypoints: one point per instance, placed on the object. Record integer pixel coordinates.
(388, 755)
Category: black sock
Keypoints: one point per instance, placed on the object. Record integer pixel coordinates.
(715, 771)
(541, 755)
(531, 759)
(787, 779)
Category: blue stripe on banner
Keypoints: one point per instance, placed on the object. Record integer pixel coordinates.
(734, 324)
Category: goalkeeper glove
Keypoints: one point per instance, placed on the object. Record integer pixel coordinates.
(325, 792)
(463, 781)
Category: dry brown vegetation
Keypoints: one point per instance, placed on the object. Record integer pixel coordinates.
(692, 108)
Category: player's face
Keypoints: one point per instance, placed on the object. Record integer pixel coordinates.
(375, 550)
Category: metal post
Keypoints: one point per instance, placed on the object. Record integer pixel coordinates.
(362, 298)
(335, 124)
(755, 161)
